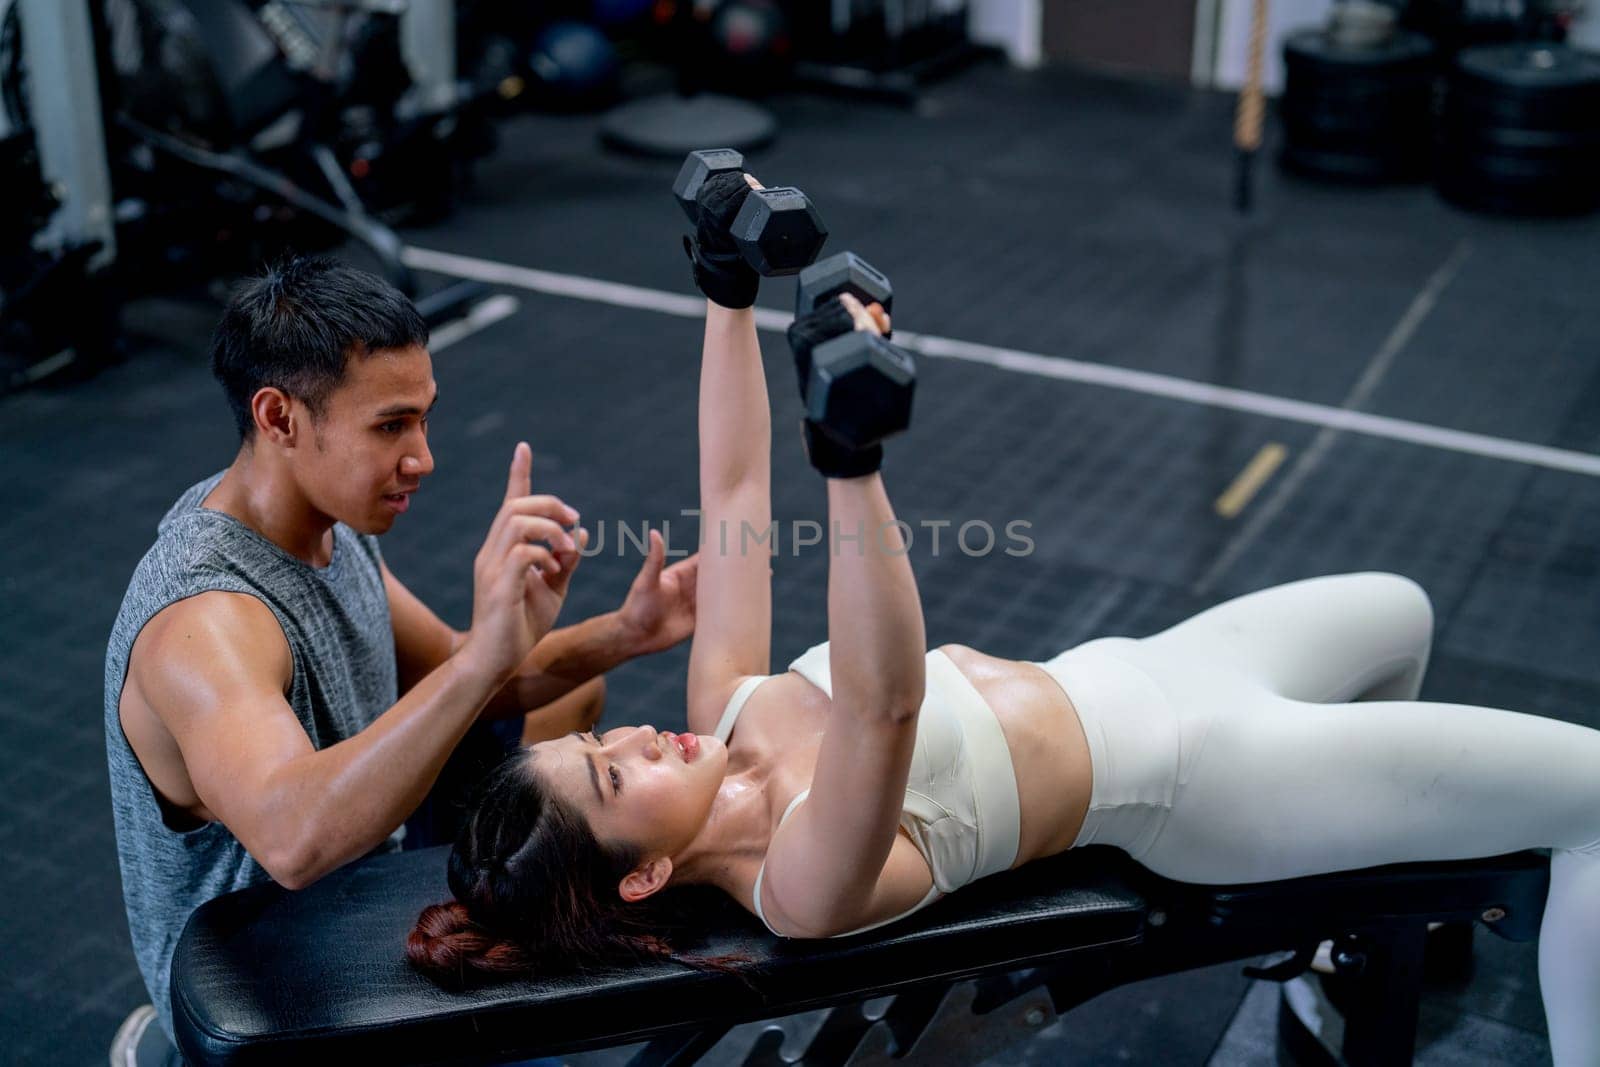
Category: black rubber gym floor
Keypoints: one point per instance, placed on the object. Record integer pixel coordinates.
(1055, 214)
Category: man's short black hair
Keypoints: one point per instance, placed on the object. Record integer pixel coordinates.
(295, 327)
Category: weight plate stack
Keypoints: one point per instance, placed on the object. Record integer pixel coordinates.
(1357, 113)
(1519, 132)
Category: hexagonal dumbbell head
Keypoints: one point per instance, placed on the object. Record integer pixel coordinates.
(861, 388)
(842, 272)
(779, 231)
(696, 169)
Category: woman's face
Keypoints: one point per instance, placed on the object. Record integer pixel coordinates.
(636, 785)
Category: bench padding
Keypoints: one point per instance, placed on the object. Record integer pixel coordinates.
(265, 975)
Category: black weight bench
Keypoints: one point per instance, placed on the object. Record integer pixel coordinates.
(269, 976)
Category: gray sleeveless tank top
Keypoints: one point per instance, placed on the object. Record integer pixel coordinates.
(336, 620)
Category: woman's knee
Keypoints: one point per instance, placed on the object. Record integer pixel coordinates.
(1410, 592)
(1395, 618)
(1405, 605)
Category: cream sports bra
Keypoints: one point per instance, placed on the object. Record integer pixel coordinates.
(961, 808)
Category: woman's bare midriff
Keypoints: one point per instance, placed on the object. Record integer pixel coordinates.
(1048, 750)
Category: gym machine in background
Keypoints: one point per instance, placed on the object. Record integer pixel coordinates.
(304, 110)
(164, 143)
(59, 240)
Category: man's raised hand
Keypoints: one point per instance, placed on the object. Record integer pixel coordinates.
(660, 606)
(520, 575)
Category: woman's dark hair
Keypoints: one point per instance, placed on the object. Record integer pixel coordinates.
(535, 891)
(295, 327)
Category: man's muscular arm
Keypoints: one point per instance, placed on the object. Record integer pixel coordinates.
(214, 670)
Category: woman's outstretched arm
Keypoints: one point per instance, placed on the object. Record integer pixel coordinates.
(733, 594)
(875, 628)
(827, 869)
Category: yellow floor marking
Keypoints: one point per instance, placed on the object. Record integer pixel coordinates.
(1250, 480)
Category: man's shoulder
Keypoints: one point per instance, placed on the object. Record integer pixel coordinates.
(214, 611)
(189, 591)
(199, 633)
(187, 558)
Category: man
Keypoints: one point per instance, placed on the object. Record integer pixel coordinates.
(277, 702)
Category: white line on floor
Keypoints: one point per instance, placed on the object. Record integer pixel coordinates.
(1042, 366)
(484, 314)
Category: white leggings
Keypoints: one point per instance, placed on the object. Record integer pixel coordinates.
(1224, 750)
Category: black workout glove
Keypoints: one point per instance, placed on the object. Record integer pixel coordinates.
(720, 270)
(808, 331)
(834, 460)
(831, 458)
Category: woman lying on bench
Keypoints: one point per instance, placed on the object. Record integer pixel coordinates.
(1273, 736)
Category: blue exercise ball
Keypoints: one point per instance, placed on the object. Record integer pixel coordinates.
(574, 65)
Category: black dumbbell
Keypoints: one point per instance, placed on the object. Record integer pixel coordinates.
(697, 169)
(778, 230)
(860, 388)
(843, 272)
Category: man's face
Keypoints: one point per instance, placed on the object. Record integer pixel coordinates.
(369, 452)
